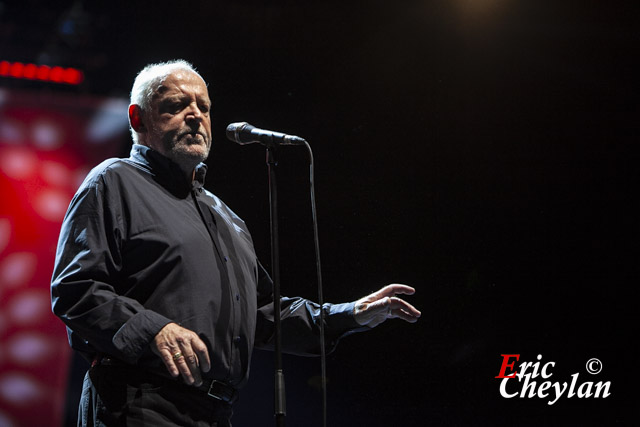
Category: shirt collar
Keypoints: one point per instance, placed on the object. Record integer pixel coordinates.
(165, 171)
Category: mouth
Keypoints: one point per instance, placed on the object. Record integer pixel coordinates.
(194, 135)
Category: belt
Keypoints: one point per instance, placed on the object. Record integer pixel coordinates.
(218, 390)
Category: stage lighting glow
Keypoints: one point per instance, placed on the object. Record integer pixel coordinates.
(52, 204)
(54, 173)
(3, 328)
(29, 348)
(46, 135)
(17, 268)
(4, 95)
(5, 421)
(43, 72)
(5, 233)
(11, 131)
(18, 163)
(28, 307)
(20, 389)
(29, 71)
(45, 152)
(56, 74)
(110, 119)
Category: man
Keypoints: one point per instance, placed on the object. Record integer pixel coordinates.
(157, 279)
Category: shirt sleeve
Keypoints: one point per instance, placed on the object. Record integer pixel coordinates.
(300, 319)
(85, 289)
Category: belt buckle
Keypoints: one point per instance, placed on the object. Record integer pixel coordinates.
(221, 391)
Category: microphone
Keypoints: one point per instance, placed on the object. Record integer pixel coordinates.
(243, 133)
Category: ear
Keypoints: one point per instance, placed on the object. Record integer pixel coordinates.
(135, 118)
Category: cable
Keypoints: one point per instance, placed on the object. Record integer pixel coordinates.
(323, 357)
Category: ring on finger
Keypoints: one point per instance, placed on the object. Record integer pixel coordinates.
(177, 356)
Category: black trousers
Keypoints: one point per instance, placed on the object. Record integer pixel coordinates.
(121, 396)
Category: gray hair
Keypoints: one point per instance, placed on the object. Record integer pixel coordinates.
(148, 80)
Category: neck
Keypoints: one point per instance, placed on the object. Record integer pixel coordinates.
(186, 163)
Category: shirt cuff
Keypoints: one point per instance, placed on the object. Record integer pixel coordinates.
(341, 321)
(134, 337)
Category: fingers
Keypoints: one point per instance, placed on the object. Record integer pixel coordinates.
(202, 355)
(187, 363)
(401, 309)
(383, 304)
(183, 353)
(397, 288)
(391, 290)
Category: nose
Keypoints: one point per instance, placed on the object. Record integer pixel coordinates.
(194, 113)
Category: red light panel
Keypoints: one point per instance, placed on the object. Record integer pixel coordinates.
(56, 74)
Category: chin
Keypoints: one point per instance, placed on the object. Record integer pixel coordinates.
(189, 154)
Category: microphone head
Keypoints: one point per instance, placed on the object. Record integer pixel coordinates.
(243, 133)
(240, 132)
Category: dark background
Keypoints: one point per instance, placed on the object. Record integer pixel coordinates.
(482, 151)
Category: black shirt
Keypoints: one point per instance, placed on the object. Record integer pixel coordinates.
(141, 247)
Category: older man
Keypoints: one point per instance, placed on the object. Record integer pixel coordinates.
(157, 279)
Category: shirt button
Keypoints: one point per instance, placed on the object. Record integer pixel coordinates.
(237, 297)
(237, 340)
(226, 259)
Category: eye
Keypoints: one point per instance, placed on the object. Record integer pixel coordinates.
(172, 107)
(176, 107)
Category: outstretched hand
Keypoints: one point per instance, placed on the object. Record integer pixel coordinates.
(183, 353)
(382, 305)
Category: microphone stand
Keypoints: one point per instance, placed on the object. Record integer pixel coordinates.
(280, 403)
(243, 133)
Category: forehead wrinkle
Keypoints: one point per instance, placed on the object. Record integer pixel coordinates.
(181, 87)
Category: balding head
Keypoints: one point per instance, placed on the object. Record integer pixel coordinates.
(150, 79)
(170, 113)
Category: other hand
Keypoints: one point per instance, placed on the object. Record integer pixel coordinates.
(183, 353)
(383, 304)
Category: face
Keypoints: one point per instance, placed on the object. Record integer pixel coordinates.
(179, 122)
